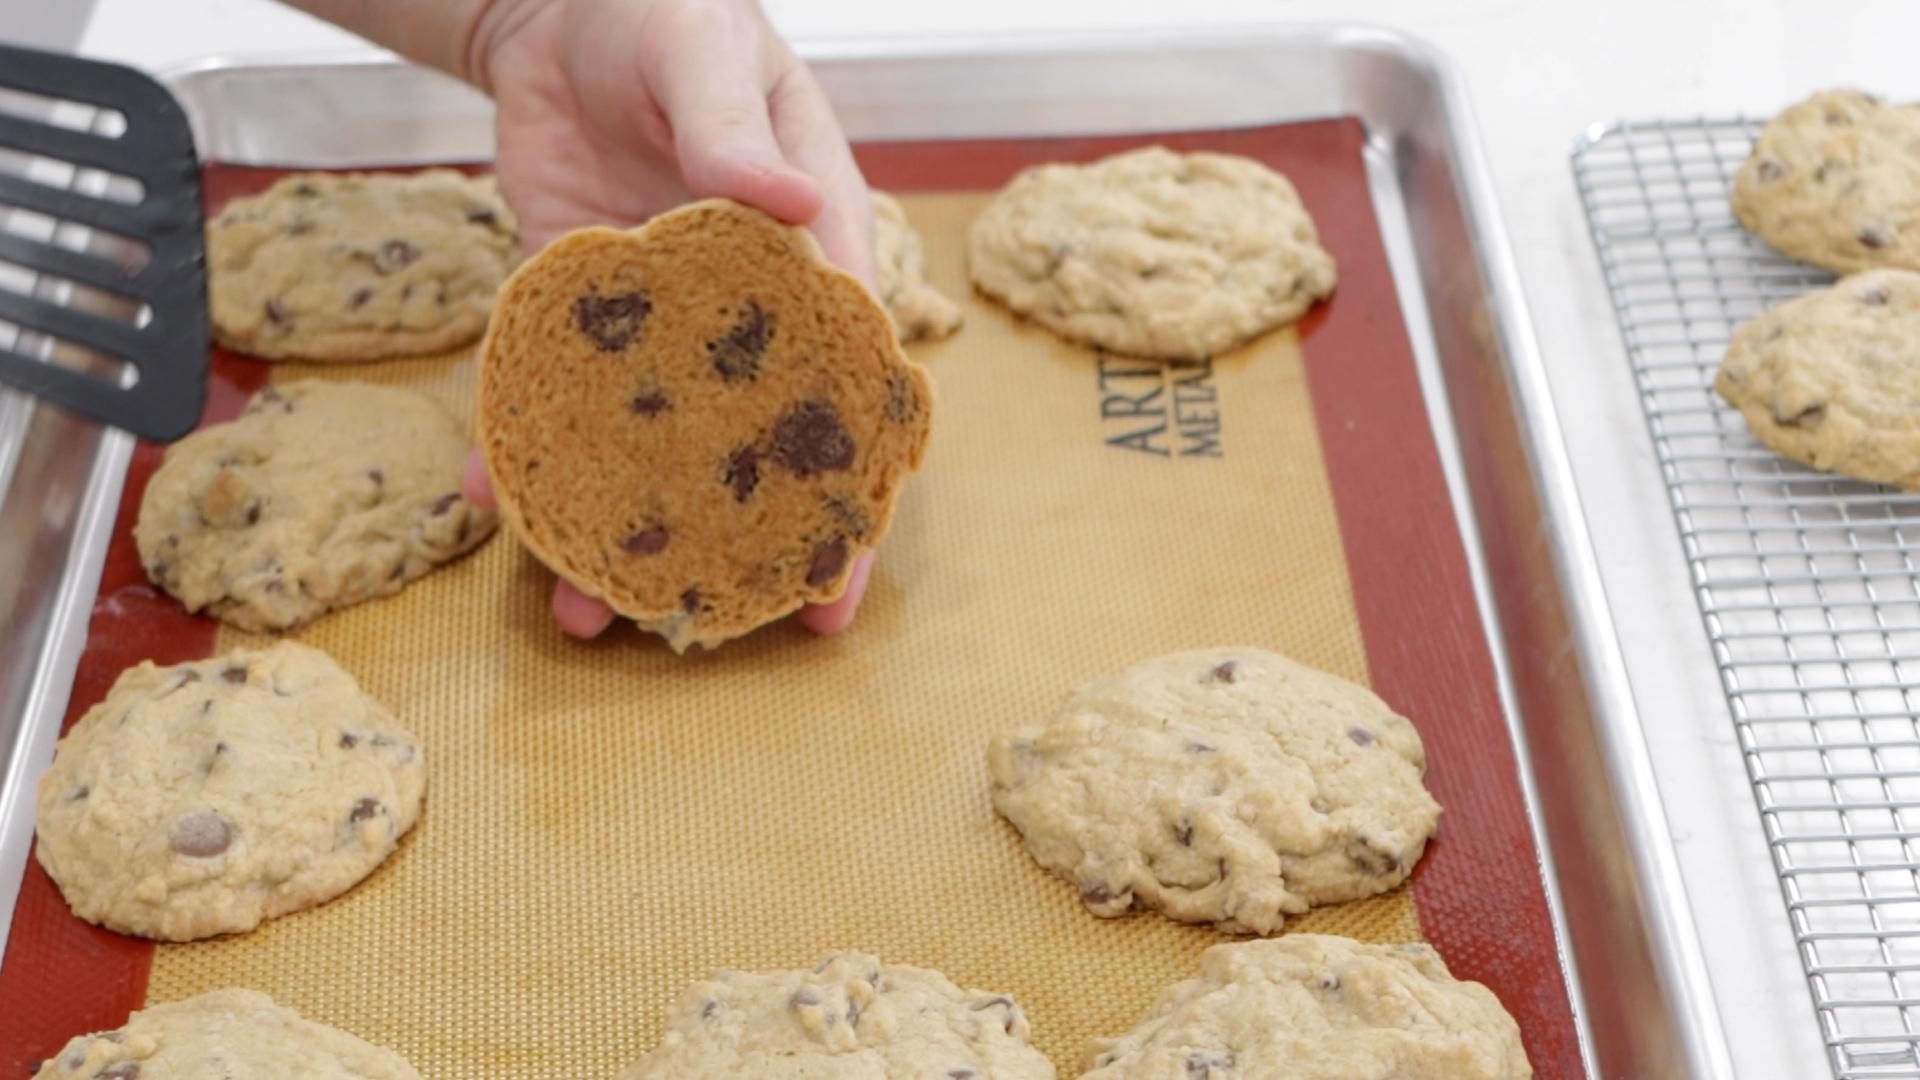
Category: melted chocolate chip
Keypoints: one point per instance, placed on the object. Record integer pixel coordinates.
(365, 810)
(613, 322)
(652, 404)
(394, 255)
(348, 740)
(743, 472)
(235, 675)
(201, 835)
(359, 297)
(810, 439)
(690, 601)
(276, 311)
(1360, 736)
(1227, 672)
(651, 540)
(444, 503)
(738, 355)
(829, 558)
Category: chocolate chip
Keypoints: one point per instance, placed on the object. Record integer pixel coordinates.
(300, 228)
(1201, 1065)
(1360, 736)
(201, 835)
(899, 399)
(651, 540)
(1000, 1001)
(1872, 296)
(650, 404)
(1874, 237)
(359, 297)
(613, 322)
(802, 998)
(1183, 832)
(1326, 982)
(690, 601)
(811, 439)
(829, 558)
(961, 1074)
(253, 512)
(480, 215)
(1195, 746)
(276, 311)
(1371, 859)
(743, 472)
(348, 740)
(1769, 169)
(393, 255)
(276, 587)
(126, 1070)
(1809, 417)
(79, 793)
(1835, 118)
(711, 1009)
(738, 355)
(854, 521)
(1227, 672)
(1101, 900)
(235, 675)
(444, 503)
(1320, 805)
(365, 810)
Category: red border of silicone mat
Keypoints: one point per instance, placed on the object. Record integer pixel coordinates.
(1478, 890)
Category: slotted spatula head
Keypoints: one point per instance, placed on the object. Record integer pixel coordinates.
(102, 241)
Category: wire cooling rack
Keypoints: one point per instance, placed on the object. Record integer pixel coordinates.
(1807, 583)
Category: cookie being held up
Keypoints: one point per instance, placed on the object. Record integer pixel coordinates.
(1835, 181)
(1152, 253)
(223, 1033)
(1832, 379)
(701, 421)
(318, 496)
(358, 266)
(1227, 786)
(206, 797)
(1317, 1007)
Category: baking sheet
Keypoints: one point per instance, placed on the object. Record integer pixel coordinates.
(606, 822)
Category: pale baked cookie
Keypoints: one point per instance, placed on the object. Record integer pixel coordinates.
(701, 421)
(318, 496)
(1835, 181)
(358, 266)
(851, 1016)
(1832, 378)
(223, 1035)
(1315, 1007)
(900, 272)
(203, 798)
(1230, 786)
(1152, 253)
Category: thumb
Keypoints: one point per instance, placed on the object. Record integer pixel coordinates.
(704, 73)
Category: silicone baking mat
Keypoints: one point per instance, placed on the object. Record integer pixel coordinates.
(606, 822)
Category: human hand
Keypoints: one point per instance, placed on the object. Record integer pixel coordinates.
(611, 111)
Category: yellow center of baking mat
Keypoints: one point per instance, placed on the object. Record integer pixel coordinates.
(606, 822)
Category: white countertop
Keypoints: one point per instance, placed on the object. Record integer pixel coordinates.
(1539, 72)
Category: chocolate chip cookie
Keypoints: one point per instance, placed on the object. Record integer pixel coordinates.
(1315, 1007)
(1152, 253)
(851, 1016)
(699, 421)
(1230, 786)
(223, 1034)
(900, 273)
(1831, 378)
(318, 496)
(203, 798)
(1835, 181)
(358, 266)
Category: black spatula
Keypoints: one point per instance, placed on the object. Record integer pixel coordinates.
(100, 221)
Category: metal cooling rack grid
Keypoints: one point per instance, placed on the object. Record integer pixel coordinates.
(1807, 583)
